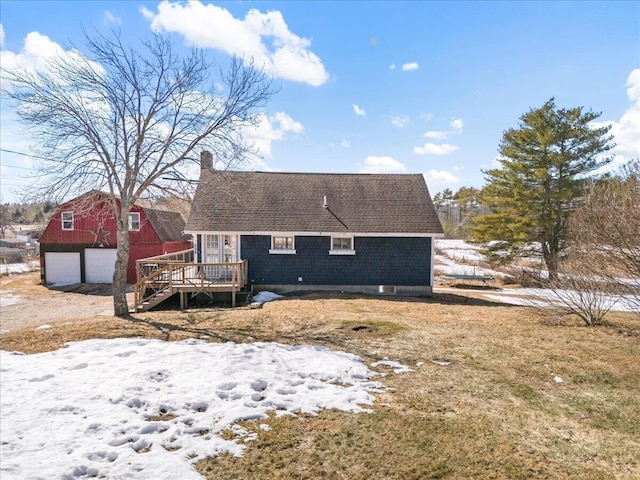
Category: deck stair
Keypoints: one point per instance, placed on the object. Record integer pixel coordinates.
(162, 276)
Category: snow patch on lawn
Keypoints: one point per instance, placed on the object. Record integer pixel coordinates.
(395, 366)
(459, 250)
(8, 298)
(264, 297)
(16, 268)
(453, 252)
(544, 297)
(83, 411)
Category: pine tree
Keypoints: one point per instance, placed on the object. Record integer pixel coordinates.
(542, 164)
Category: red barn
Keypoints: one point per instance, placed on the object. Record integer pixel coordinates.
(79, 243)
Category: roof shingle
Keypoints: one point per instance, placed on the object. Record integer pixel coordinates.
(293, 202)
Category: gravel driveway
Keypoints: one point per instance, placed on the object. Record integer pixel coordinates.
(24, 303)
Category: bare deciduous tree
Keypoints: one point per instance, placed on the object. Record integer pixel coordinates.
(123, 120)
(606, 227)
(579, 291)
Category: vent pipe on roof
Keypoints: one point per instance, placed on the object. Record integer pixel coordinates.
(324, 202)
(206, 160)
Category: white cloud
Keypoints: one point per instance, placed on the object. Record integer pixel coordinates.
(400, 121)
(457, 124)
(392, 66)
(626, 131)
(38, 49)
(270, 129)
(633, 82)
(359, 111)
(435, 149)
(287, 124)
(265, 37)
(410, 66)
(438, 135)
(1, 36)
(456, 168)
(345, 143)
(109, 18)
(439, 176)
(382, 165)
(257, 164)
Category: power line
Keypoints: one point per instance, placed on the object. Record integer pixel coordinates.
(15, 166)
(23, 154)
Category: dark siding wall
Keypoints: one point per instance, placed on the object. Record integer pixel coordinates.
(378, 261)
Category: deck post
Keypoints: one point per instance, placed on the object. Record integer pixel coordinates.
(182, 303)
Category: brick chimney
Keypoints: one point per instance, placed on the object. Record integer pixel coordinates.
(206, 160)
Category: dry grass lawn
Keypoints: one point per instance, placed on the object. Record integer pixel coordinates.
(495, 412)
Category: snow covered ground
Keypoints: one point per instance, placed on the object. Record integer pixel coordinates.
(83, 411)
(457, 257)
(88, 410)
(16, 268)
(541, 297)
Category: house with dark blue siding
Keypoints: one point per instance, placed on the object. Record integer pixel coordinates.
(364, 233)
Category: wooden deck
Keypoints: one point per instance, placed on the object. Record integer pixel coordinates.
(161, 277)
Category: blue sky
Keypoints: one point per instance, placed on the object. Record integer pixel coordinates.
(416, 87)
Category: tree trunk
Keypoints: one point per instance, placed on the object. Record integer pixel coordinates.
(120, 306)
(551, 261)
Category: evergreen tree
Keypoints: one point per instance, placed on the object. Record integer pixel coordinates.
(532, 194)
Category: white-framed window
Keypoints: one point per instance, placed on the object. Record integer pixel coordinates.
(283, 244)
(134, 221)
(342, 245)
(211, 249)
(221, 248)
(67, 220)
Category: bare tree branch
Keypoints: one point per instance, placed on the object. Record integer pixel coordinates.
(121, 119)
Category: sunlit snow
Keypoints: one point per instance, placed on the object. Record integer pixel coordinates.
(136, 408)
(16, 268)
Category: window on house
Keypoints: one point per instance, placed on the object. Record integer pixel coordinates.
(211, 249)
(282, 244)
(134, 221)
(342, 246)
(67, 220)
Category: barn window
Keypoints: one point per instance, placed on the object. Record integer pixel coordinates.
(282, 244)
(342, 246)
(134, 221)
(67, 220)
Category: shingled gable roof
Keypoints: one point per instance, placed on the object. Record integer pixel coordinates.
(168, 225)
(246, 202)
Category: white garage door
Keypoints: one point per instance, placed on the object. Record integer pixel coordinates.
(99, 264)
(62, 267)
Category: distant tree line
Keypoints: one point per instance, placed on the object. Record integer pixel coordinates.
(27, 213)
(457, 209)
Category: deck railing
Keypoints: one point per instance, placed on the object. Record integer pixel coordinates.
(165, 275)
(147, 266)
